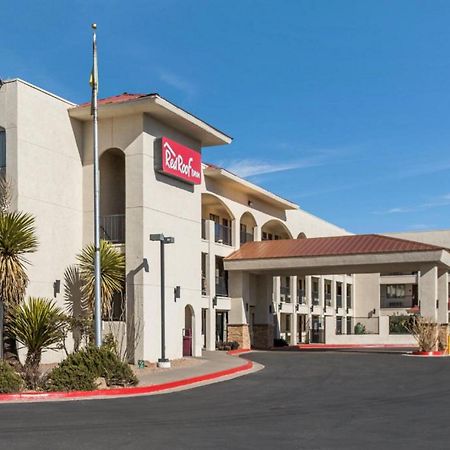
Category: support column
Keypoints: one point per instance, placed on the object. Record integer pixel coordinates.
(257, 233)
(239, 291)
(442, 296)
(428, 292)
(211, 287)
(235, 233)
(276, 302)
(263, 329)
(294, 302)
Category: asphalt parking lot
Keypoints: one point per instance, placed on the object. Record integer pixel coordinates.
(301, 400)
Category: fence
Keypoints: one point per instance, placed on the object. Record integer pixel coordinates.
(363, 325)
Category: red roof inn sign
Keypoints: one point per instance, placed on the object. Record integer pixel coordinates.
(180, 162)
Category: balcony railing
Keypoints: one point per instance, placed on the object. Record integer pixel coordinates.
(327, 299)
(112, 228)
(301, 297)
(285, 294)
(349, 302)
(315, 298)
(338, 301)
(204, 285)
(221, 286)
(222, 234)
(246, 237)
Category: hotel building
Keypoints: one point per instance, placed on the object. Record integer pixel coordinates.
(153, 181)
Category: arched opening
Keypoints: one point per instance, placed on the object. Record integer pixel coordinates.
(188, 330)
(247, 227)
(301, 235)
(112, 196)
(275, 230)
(215, 210)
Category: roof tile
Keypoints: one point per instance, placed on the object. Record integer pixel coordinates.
(328, 246)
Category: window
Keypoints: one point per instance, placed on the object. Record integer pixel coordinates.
(395, 291)
(339, 325)
(204, 278)
(2, 148)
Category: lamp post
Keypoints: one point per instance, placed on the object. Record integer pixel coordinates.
(163, 362)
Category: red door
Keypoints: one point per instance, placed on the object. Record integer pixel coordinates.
(187, 342)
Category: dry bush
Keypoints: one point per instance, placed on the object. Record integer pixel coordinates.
(425, 332)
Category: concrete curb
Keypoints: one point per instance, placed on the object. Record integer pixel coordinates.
(129, 391)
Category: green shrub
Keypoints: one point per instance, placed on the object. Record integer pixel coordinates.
(80, 370)
(360, 328)
(10, 380)
(400, 324)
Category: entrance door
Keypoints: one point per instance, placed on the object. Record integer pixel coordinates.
(187, 330)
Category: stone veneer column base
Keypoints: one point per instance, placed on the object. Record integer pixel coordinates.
(263, 336)
(239, 333)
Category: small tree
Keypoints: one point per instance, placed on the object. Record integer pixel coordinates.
(38, 325)
(17, 238)
(112, 276)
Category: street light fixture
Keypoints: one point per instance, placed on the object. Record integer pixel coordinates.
(163, 362)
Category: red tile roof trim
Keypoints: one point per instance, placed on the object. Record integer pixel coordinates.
(362, 244)
(121, 98)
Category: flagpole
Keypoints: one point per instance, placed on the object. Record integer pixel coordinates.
(98, 300)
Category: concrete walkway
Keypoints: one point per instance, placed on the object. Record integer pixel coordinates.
(209, 362)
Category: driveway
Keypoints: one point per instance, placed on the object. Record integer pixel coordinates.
(301, 400)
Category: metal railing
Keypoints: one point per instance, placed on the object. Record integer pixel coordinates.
(246, 237)
(363, 325)
(349, 302)
(222, 286)
(285, 294)
(222, 234)
(112, 228)
(204, 285)
(301, 297)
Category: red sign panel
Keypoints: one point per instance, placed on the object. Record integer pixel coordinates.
(180, 161)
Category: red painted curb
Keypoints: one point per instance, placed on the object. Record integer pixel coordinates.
(126, 391)
(436, 353)
(238, 351)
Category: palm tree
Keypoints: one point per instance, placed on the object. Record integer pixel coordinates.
(38, 325)
(17, 238)
(112, 264)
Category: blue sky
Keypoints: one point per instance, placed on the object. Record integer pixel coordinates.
(340, 106)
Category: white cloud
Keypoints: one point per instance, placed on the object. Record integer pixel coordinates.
(177, 82)
(251, 167)
(442, 200)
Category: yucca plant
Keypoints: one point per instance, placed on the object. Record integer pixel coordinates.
(38, 324)
(17, 238)
(112, 264)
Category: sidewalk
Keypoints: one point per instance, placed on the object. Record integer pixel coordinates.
(210, 362)
(211, 367)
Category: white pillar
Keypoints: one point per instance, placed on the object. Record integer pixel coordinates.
(428, 292)
(257, 233)
(211, 287)
(235, 233)
(276, 303)
(442, 296)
